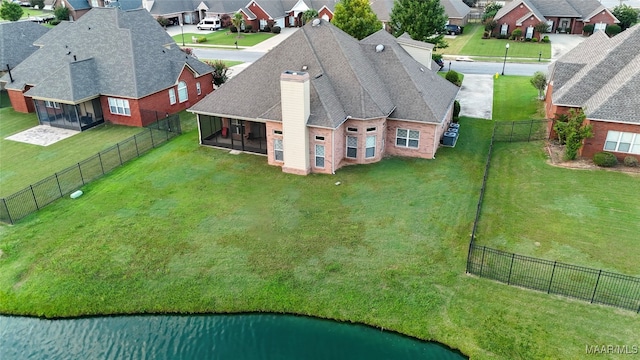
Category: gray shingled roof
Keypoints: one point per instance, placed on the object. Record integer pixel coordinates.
(406, 39)
(348, 78)
(79, 4)
(130, 56)
(581, 9)
(513, 4)
(16, 41)
(605, 83)
(455, 9)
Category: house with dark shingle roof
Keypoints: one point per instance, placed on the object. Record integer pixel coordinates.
(257, 13)
(16, 42)
(457, 11)
(321, 100)
(110, 65)
(565, 16)
(605, 85)
(77, 8)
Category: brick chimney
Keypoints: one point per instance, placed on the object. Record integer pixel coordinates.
(295, 97)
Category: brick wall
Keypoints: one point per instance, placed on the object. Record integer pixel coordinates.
(361, 134)
(260, 14)
(19, 102)
(324, 11)
(328, 147)
(511, 19)
(427, 138)
(600, 130)
(270, 127)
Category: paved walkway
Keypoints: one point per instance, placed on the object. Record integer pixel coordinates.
(476, 96)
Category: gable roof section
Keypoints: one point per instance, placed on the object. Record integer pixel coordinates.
(16, 41)
(605, 82)
(348, 79)
(79, 4)
(455, 9)
(136, 59)
(514, 4)
(580, 9)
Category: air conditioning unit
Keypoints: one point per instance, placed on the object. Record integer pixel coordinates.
(449, 139)
(452, 129)
(454, 125)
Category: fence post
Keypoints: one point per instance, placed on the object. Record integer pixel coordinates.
(81, 177)
(552, 272)
(135, 141)
(530, 129)
(4, 202)
(513, 255)
(59, 188)
(34, 197)
(596, 287)
(101, 167)
(513, 124)
(153, 145)
(119, 156)
(482, 261)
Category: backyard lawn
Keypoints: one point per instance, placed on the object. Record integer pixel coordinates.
(23, 164)
(471, 43)
(514, 98)
(192, 229)
(224, 37)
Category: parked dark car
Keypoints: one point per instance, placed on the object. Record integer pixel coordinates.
(453, 29)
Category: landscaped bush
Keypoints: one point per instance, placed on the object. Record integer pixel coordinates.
(516, 33)
(486, 35)
(456, 111)
(266, 29)
(630, 161)
(545, 39)
(613, 30)
(588, 29)
(453, 77)
(502, 36)
(276, 29)
(225, 20)
(233, 29)
(527, 39)
(201, 39)
(605, 159)
(248, 28)
(534, 40)
(55, 22)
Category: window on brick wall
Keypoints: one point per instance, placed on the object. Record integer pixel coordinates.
(119, 106)
(320, 156)
(51, 104)
(625, 142)
(408, 138)
(278, 151)
(198, 88)
(172, 96)
(183, 94)
(352, 147)
(370, 150)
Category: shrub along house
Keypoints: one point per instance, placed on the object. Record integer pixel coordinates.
(606, 84)
(566, 16)
(111, 65)
(322, 100)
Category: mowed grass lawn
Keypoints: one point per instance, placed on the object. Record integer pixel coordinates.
(23, 164)
(582, 217)
(514, 98)
(224, 37)
(192, 229)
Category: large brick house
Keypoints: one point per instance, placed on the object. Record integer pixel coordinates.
(564, 16)
(322, 100)
(16, 42)
(110, 65)
(257, 13)
(602, 77)
(457, 11)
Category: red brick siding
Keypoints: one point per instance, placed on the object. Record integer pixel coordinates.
(19, 102)
(361, 134)
(425, 146)
(270, 127)
(604, 18)
(600, 130)
(325, 11)
(328, 147)
(511, 19)
(260, 14)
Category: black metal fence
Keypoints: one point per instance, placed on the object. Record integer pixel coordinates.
(595, 286)
(552, 277)
(517, 131)
(36, 196)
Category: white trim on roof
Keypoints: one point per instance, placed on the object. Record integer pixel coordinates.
(261, 8)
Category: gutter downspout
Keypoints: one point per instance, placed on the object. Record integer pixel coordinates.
(333, 152)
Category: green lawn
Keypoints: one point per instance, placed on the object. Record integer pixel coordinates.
(471, 43)
(23, 164)
(574, 215)
(193, 229)
(229, 63)
(514, 98)
(224, 37)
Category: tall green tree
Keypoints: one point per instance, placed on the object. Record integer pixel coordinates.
(539, 81)
(10, 11)
(572, 130)
(627, 15)
(237, 20)
(356, 18)
(61, 13)
(491, 10)
(37, 3)
(309, 15)
(423, 20)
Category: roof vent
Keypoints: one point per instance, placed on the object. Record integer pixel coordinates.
(379, 48)
(315, 22)
(304, 67)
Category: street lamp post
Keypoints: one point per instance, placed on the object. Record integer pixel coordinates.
(182, 31)
(505, 57)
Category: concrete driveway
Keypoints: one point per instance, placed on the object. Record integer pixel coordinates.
(562, 43)
(476, 96)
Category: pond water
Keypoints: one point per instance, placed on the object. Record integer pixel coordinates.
(243, 336)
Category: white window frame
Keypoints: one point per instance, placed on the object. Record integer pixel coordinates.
(355, 156)
(119, 106)
(52, 104)
(615, 138)
(172, 96)
(599, 27)
(183, 93)
(504, 29)
(198, 88)
(320, 155)
(408, 138)
(369, 146)
(278, 150)
(529, 33)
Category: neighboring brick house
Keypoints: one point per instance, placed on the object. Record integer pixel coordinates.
(111, 65)
(77, 8)
(564, 16)
(601, 76)
(16, 42)
(322, 100)
(257, 13)
(457, 11)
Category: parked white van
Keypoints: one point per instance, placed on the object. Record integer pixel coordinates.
(209, 24)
